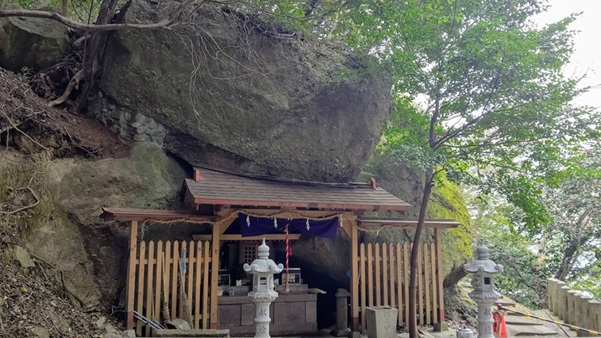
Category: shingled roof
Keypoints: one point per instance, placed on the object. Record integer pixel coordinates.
(219, 188)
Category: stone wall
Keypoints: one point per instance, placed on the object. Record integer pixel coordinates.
(572, 306)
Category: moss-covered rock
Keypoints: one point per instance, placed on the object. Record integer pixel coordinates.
(446, 202)
(34, 221)
(148, 178)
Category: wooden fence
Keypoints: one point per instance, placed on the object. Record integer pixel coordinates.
(384, 280)
(157, 271)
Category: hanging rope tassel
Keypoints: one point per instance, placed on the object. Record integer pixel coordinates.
(288, 254)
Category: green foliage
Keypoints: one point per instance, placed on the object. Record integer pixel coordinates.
(525, 272)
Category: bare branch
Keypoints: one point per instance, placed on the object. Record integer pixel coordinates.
(82, 26)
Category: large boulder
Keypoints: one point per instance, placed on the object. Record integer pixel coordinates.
(230, 91)
(32, 43)
(148, 178)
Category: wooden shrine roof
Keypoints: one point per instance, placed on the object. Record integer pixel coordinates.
(123, 214)
(219, 188)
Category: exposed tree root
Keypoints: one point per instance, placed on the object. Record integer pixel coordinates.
(73, 84)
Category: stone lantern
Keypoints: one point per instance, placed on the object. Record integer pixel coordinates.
(263, 292)
(484, 293)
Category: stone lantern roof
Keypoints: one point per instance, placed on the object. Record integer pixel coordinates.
(483, 264)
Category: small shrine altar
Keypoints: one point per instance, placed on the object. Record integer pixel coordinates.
(291, 313)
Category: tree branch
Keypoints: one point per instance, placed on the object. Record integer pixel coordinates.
(82, 26)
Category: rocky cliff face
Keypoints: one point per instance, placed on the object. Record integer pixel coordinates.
(227, 90)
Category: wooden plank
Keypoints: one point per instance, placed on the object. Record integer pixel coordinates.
(385, 301)
(354, 275)
(399, 281)
(370, 276)
(346, 226)
(377, 283)
(167, 286)
(440, 293)
(363, 283)
(287, 213)
(391, 269)
(434, 283)
(158, 281)
(183, 250)
(131, 274)
(406, 250)
(149, 282)
(215, 246)
(205, 284)
(420, 289)
(238, 237)
(191, 260)
(122, 214)
(197, 283)
(140, 295)
(425, 246)
(174, 276)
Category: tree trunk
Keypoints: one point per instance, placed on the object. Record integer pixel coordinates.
(65, 8)
(94, 52)
(566, 260)
(414, 253)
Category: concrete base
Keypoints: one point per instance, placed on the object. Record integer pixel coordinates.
(341, 332)
(354, 334)
(381, 321)
(440, 327)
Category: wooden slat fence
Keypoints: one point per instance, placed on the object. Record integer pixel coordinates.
(150, 281)
(384, 280)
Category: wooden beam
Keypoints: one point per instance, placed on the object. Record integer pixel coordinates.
(122, 214)
(283, 213)
(347, 228)
(131, 274)
(401, 223)
(238, 237)
(354, 274)
(400, 207)
(215, 246)
(225, 223)
(440, 291)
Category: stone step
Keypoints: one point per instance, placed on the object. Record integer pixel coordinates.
(505, 302)
(520, 320)
(528, 330)
(192, 333)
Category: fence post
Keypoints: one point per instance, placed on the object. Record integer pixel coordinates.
(571, 310)
(562, 301)
(594, 320)
(551, 294)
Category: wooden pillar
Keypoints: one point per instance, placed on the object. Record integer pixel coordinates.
(441, 325)
(131, 274)
(354, 276)
(215, 245)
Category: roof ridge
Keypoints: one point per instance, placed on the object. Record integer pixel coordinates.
(350, 185)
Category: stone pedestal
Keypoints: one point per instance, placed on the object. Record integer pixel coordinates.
(262, 318)
(381, 321)
(342, 329)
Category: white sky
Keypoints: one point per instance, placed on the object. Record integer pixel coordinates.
(587, 54)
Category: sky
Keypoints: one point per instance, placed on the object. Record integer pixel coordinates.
(587, 56)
